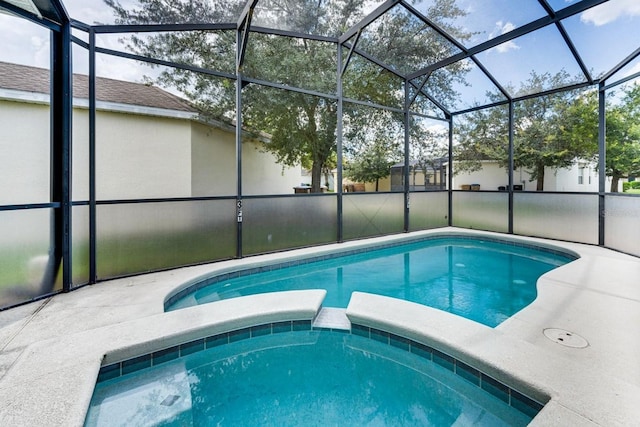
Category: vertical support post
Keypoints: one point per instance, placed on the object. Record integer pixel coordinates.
(339, 130)
(93, 269)
(239, 148)
(450, 173)
(61, 110)
(511, 164)
(602, 161)
(407, 155)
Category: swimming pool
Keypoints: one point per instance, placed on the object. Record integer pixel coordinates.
(481, 279)
(307, 377)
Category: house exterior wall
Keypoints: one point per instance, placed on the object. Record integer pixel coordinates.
(140, 156)
(214, 166)
(261, 174)
(212, 161)
(146, 156)
(490, 177)
(80, 154)
(24, 153)
(564, 179)
(567, 179)
(384, 184)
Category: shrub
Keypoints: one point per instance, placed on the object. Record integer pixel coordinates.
(633, 185)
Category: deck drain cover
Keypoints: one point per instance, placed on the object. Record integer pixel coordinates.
(566, 338)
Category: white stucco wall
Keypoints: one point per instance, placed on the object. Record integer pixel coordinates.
(214, 166)
(24, 153)
(80, 154)
(138, 156)
(213, 161)
(141, 156)
(490, 177)
(566, 179)
(261, 174)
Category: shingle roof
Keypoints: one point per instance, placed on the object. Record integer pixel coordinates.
(32, 79)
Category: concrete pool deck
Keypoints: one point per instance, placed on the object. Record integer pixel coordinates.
(51, 350)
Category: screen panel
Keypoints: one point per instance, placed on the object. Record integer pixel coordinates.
(25, 255)
(481, 210)
(572, 217)
(80, 245)
(370, 214)
(25, 139)
(141, 237)
(621, 224)
(272, 224)
(428, 210)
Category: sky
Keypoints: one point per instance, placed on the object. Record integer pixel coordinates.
(603, 36)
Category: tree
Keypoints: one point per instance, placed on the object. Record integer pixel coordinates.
(579, 125)
(542, 136)
(623, 137)
(301, 128)
(483, 135)
(372, 165)
(429, 147)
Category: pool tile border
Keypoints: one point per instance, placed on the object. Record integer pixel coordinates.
(118, 369)
(478, 378)
(311, 259)
(475, 377)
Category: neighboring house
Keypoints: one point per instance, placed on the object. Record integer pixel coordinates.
(149, 144)
(581, 177)
(422, 177)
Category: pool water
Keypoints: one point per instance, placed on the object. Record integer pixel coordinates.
(304, 378)
(485, 281)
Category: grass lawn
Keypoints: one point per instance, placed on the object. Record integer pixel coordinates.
(633, 191)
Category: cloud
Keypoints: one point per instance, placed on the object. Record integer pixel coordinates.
(23, 42)
(94, 11)
(610, 11)
(502, 28)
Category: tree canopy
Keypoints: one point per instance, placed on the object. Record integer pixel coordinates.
(623, 137)
(301, 128)
(544, 136)
(554, 131)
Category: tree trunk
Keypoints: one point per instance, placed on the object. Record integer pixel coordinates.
(377, 180)
(615, 178)
(540, 179)
(316, 177)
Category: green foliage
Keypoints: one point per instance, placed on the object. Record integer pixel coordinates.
(429, 147)
(633, 185)
(623, 137)
(482, 135)
(301, 128)
(549, 131)
(373, 141)
(553, 131)
(372, 165)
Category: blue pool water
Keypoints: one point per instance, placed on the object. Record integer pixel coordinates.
(485, 281)
(304, 378)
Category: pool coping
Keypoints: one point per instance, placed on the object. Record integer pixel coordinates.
(540, 376)
(53, 368)
(50, 374)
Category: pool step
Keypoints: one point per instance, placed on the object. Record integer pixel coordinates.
(332, 318)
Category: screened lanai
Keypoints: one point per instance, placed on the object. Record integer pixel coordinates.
(147, 135)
